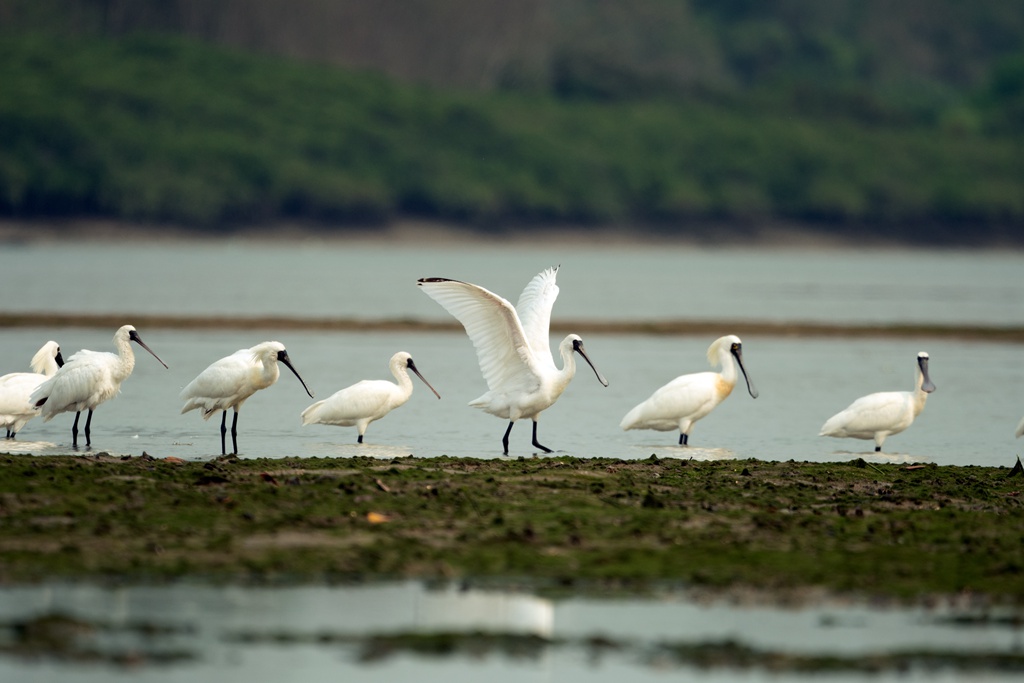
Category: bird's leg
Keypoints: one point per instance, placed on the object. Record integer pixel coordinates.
(74, 430)
(223, 431)
(360, 439)
(878, 449)
(88, 431)
(504, 439)
(10, 434)
(234, 431)
(684, 439)
(535, 443)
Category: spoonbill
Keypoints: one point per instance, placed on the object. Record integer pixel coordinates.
(228, 382)
(512, 346)
(16, 388)
(88, 379)
(688, 398)
(367, 401)
(876, 416)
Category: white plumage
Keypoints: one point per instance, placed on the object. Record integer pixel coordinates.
(366, 401)
(1020, 429)
(88, 379)
(16, 407)
(228, 382)
(513, 346)
(877, 416)
(688, 398)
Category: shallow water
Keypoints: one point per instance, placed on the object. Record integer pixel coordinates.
(315, 633)
(360, 279)
(969, 420)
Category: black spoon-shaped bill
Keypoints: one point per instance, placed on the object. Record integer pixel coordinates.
(282, 356)
(134, 336)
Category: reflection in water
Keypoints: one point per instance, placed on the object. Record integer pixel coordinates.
(461, 610)
(408, 631)
(22, 447)
(882, 458)
(691, 452)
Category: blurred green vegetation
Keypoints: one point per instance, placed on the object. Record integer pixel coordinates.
(163, 129)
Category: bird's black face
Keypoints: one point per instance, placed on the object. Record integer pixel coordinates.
(59, 358)
(577, 345)
(282, 356)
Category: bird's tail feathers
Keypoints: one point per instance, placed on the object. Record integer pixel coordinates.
(311, 414)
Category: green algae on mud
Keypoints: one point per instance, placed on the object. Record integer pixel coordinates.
(882, 530)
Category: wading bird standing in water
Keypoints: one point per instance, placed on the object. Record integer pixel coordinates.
(228, 382)
(367, 401)
(688, 398)
(877, 416)
(88, 379)
(16, 388)
(512, 346)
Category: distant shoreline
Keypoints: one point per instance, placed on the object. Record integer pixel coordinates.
(765, 234)
(677, 327)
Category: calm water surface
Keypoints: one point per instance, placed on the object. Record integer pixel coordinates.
(969, 420)
(245, 634)
(367, 280)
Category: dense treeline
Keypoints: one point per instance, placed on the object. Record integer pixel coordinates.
(166, 129)
(913, 49)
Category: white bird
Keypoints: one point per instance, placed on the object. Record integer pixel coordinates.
(688, 398)
(1020, 429)
(876, 416)
(368, 400)
(228, 382)
(88, 379)
(512, 346)
(16, 388)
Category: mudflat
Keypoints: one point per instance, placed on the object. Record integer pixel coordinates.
(902, 532)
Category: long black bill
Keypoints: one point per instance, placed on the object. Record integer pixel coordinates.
(134, 336)
(738, 353)
(59, 359)
(282, 356)
(926, 381)
(578, 348)
(412, 366)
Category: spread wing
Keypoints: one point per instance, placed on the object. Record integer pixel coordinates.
(534, 310)
(506, 357)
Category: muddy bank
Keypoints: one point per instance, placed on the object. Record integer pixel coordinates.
(895, 531)
(680, 327)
